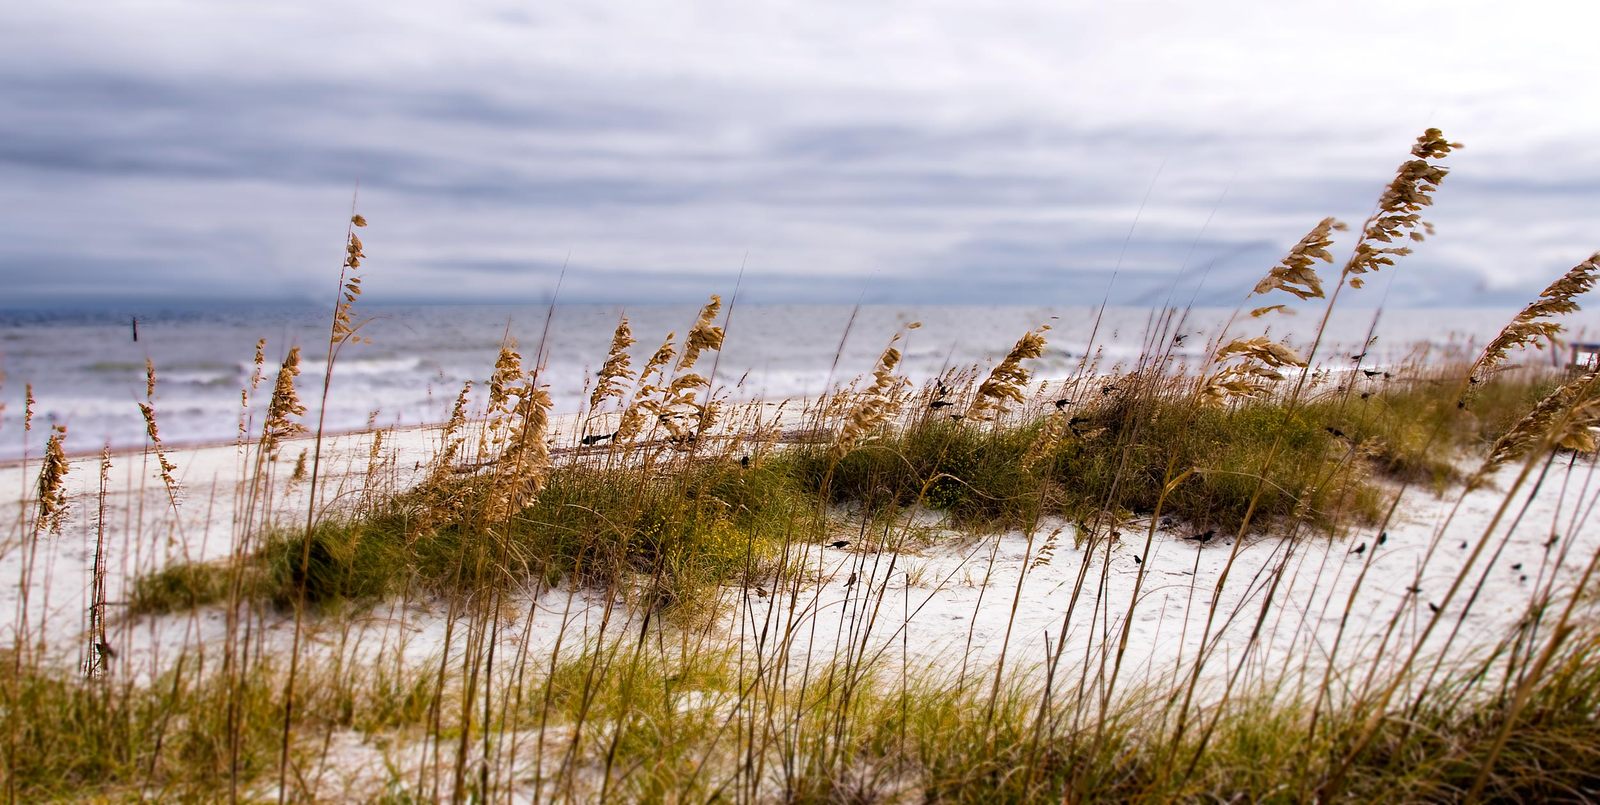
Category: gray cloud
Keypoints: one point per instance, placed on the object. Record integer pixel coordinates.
(971, 153)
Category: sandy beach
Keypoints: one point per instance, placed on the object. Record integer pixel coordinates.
(955, 600)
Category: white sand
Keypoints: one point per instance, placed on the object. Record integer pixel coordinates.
(953, 614)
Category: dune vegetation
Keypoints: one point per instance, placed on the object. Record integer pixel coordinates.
(692, 531)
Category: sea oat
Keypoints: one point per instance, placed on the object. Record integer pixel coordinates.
(1399, 207)
(343, 325)
(443, 497)
(1009, 378)
(1047, 551)
(1531, 327)
(1564, 419)
(1296, 273)
(505, 389)
(876, 405)
(52, 487)
(616, 368)
(679, 404)
(284, 406)
(521, 468)
(1044, 444)
(258, 363)
(659, 359)
(703, 335)
(167, 467)
(1253, 368)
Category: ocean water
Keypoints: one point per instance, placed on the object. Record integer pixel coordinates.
(88, 374)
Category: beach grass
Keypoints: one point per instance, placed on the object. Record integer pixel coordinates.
(675, 549)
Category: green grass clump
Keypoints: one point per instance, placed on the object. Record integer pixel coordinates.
(684, 531)
(1418, 431)
(1260, 459)
(355, 559)
(1119, 457)
(171, 736)
(183, 585)
(686, 525)
(973, 473)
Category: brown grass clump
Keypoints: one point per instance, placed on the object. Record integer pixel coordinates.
(1008, 379)
(442, 497)
(507, 387)
(1531, 327)
(1045, 443)
(1255, 361)
(523, 465)
(680, 402)
(673, 400)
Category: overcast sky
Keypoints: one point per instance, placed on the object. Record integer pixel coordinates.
(171, 150)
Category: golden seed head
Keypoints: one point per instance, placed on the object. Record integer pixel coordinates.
(703, 335)
(52, 487)
(284, 405)
(1531, 326)
(877, 405)
(1296, 273)
(1008, 379)
(1564, 419)
(1398, 215)
(616, 368)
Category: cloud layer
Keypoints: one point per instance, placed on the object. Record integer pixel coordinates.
(900, 151)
